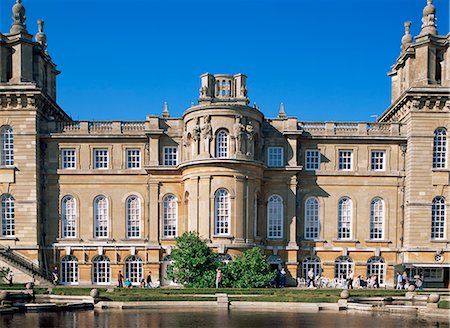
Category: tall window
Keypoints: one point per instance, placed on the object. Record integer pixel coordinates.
(133, 217)
(8, 224)
(438, 218)
(134, 269)
(170, 156)
(170, 216)
(377, 267)
(7, 151)
(69, 270)
(345, 218)
(312, 224)
(101, 159)
(345, 160)
(275, 217)
(377, 159)
(69, 217)
(101, 217)
(222, 212)
(440, 149)
(222, 144)
(133, 159)
(311, 262)
(342, 266)
(376, 218)
(275, 156)
(68, 159)
(312, 160)
(101, 270)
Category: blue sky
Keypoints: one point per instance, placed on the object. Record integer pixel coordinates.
(325, 59)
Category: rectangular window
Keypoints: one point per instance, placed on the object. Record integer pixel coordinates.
(68, 159)
(133, 159)
(170, 156)
(275, 156)
(377, 160)
(101, 159)
(345, 160)
(312, 161)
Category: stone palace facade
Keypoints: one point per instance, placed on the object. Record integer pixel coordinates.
(96, 197)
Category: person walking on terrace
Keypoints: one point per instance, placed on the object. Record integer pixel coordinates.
(10, 277)
(311, 278)
(218, 278)
(120, 279)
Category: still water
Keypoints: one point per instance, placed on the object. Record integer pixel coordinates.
(209, 318)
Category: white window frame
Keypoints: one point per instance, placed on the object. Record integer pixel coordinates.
(345, 159)
(314, 263)
(170, 156)
(134, 269)
(438, 218)
(7, 146)
(440, 147)
(101, 270)
(222, 212)
(68, 158)
(133, 158)
(8, 216)
(275, 217)
(101, 158)
(377, 219)
(342, 266)
(222, 143)
(69, 217)
(133, 217)
(312, 218)
(312, 160)
(170, 216)
(345, 218)
(69, 270)
(378, 160)
(377, 266)
(275, 156)
(101, 217)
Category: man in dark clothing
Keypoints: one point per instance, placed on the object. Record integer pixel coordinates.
(120, 279)
(148, 282)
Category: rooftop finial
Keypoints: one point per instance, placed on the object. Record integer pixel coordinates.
(429, 19)
(407, 38)
(40, 35)
(19, 20)
(281, 113)
(165, 113)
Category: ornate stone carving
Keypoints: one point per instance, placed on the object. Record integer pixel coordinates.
(19, 18)
(429, 19)
(250, 133)
(239, 134)
(206, 133)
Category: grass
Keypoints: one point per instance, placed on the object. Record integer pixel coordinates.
(444, 305)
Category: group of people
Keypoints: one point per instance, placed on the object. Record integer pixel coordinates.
(344, 281)
(403, 281)
(280, 279)
(145, 283)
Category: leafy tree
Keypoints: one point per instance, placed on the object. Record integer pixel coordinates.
(250, 270)
(193, 262)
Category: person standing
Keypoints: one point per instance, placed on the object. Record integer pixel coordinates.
(218, 278)
(405, 279)
(350, 279)
(399, 281)
(282, 278)
(311, 278)
(149, 280)
(120, 279)
(55, 276)
(10, 277)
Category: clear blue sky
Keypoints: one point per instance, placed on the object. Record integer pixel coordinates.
(325, 59)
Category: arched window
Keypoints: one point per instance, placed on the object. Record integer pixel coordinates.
(440, 149)
(101, 270)
(222, 212)
(312, 224)
(342, 266)
(7, 151)
(345, 218)
(376, 267)
(69, 217)
(170, 216)
(222, 144)
(438, 217)
(134, 269)
(69, 270)
(312, 262)
(133, 217)
(377, 219)
(275, 217)
(8, 224)
(101, 217)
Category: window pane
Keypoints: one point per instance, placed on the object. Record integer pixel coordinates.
(311, 218)
(7, 154)
(440, 149)
(8, 221)
(133, 158)
(345, 160)
(377, 160)
(275, 156)
(170, 156)
(222, 212)
(275, 217)
(376, 218)
(133, 217)
(345, 219)
(169, 216)
(312, 160)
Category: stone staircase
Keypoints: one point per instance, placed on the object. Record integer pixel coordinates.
(19, 262)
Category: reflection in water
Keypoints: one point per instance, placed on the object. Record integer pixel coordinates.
(209, 318)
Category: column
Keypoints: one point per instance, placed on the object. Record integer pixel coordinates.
(204, 210)
(292, 247)
(239, 210)
(153, 211)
